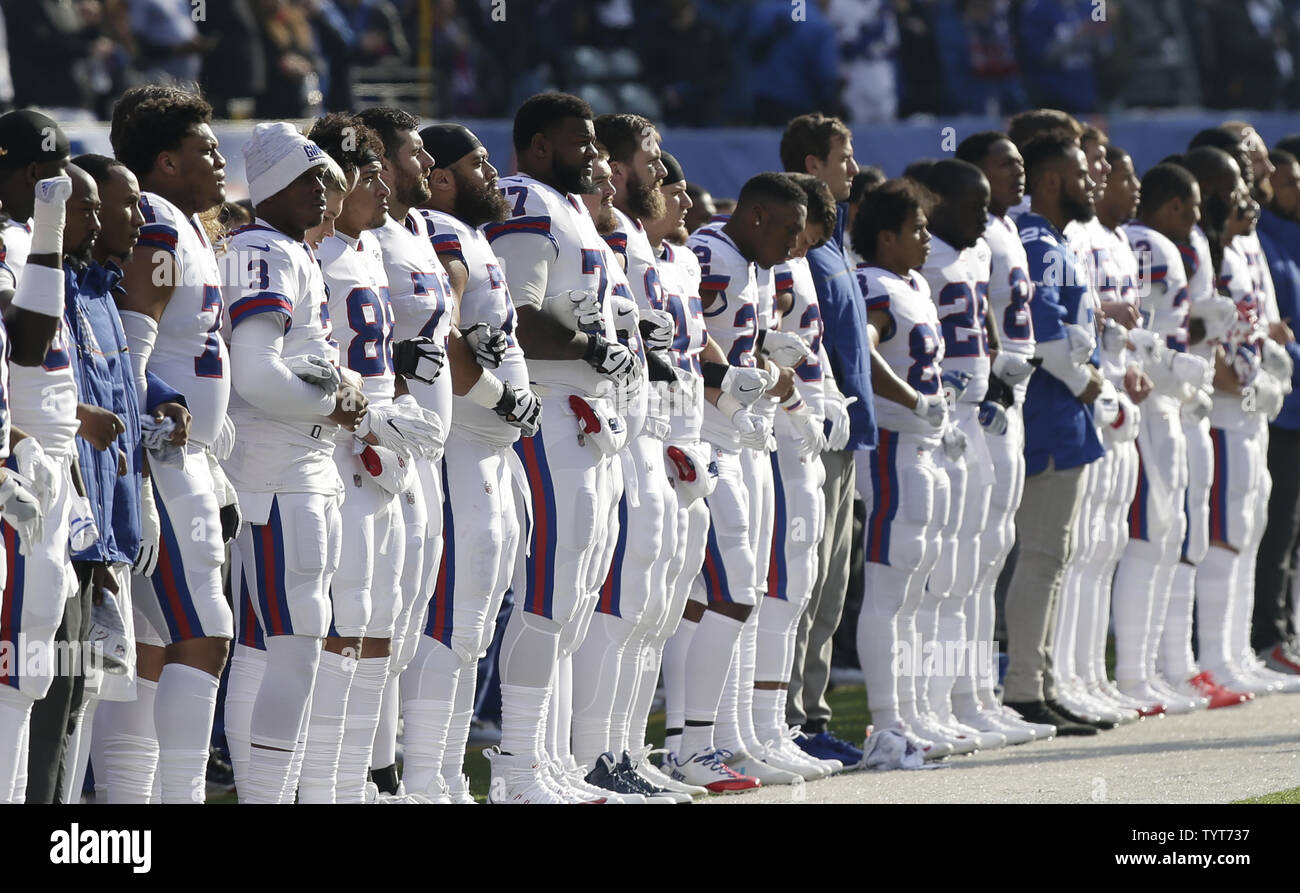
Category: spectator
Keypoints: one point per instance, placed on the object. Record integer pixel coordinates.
(378, 27)
(1244, 58)
(868, 38)
(41, 31)
(977, 45)
(794, 64)
(288, 43)
(235, 70)
(919, 90)
(1057, 40)
(168, 45)
(687, 59)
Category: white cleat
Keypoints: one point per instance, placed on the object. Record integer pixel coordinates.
(1177, 702)
(661, 779)
(991, 722)
(708, 770)
(772, 754)
(458, 792)
(747, 764)
(1042, 731)
(518, 779)
(927, 727)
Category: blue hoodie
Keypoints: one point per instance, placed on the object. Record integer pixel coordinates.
(1280, 239)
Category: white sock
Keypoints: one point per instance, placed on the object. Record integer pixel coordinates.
(79, 752)
(1134, 595)
(596, 665)
(747, 657)
(365, 699)
(629, 681)
(523, 714)
(1214, 580)
(673, 665)
(384, 752)
(124, 746)
(429, 687)
(880, 640)
(289, 793)
(726, 731)
(453, 759)
(648, 678)
(324, 743)
(15, 716)
(527, 661)
(279, 715)
(247, 665)
(183, 709)
(708, 665)
(561, 719)
(769, 714)
(1176, 661)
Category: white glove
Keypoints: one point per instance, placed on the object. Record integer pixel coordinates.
(150, 532)
(954, 443)
(410, 434)
(1114, 338)
(1125, 427)
(1197, 407)
(1217, 313)
(49, 213)
(1189, 369)
(747, 384)
(1082, 343)
(955, 384)
(627, 321)
(315, 370)
(224, 442)
(488, 343)
(391, 471)
(657, 329)
(1245, 364)
(784, 348)
(933, 408)
(1277, 362)
(836, 406)
(586, 309)
(1012, 368)
(993, 417)
(612, 360)
(39, 472)
(1150, 347)
(22, 511)
(419, 358)
(407, 406)
(807, 427)
(1105, 409)
(753, 431)
(521, 408)
(1268, 396)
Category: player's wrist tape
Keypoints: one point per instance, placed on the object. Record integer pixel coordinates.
(594, 343)
(793, 403)
(659, 368)
(728, 405)
(714, 373)
(487, 390)
(40, 290)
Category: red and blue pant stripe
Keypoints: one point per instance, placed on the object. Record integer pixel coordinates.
(540, 563)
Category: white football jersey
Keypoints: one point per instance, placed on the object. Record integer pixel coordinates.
(190, 354)
(1115, 272)
(539, 211)
(43, 399)
(1165, 306)
(912, 345)
(1199, 265)
(679, 276)
(630, 240)
(1010, 290)
(959, 284)
(805, 320)
(356, 286)
(1237, 282)
(287, 282)
(4, 391)
(15, 245)
(486, 299)
(1257, 263)
(765, 310)
(732, 318)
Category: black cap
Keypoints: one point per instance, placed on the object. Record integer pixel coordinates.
(28, 137)
(448, 143)
(673, 166)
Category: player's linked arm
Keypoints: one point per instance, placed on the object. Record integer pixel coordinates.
(884, 380)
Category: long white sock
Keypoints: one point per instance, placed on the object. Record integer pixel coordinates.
(629, 681)
(1176, 661)
(1214, 582)
(527, 661)
(289, 793)
(561, 718)
(365, 700)
(79, 752)
(747, 658)
(596, 666)
(639, 717)
(453, 759)
(329, 704)
(523, 709)
(279, 715)
(183, 709)
(429, 687)
(673, 664)
(15, 716)
(881, 648)
(124, 747)
(769, 714)
(707, 667)
(726, 731)
(247, 665)
(384, 752)
(1133, 600)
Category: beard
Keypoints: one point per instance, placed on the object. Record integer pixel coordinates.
(679, 236)
(477, 204)
(605, 220)
(572, 178)
(1074, 209)
(645, 200)
(414, 193)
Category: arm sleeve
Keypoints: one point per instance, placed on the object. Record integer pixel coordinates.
(141, 333)
(259, 375)
(160, 392)
(525, 262)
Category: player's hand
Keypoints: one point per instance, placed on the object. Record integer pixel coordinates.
(1106, 408)
(784, 386)
(747, 383)
(752, 430)
(1217, 314)
(38, 472)
(1276, 362)
(1122, 313)
(836, 406)
(627, 319)
(180, 417)
(1190, 369)
(1012, 368)
(521, 408)
(955, 385)
(22, 511)
(612, 360)
(232, 521)
(993, 417)
(954, 443)
(807, 427)
(1197, 407)
(783, 348)
(1114, 337)
(1082, 342)
(405, 434)
(1245, 364)
(419, 358)
(99, 426)
(350, 407)
(1136, 383)
(587, 309)
(933, 408)
(315, 370)
(657, 329)
(1092, 390)
(1280, 331)
(488, 343)
(146, 559)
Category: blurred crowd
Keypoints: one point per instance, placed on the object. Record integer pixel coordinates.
(685, 62)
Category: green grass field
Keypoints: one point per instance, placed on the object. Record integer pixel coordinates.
(1288, 796)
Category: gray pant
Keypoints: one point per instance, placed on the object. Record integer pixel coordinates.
(806, 705)
(1044, 526)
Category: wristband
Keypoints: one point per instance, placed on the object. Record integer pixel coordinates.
(487, 390)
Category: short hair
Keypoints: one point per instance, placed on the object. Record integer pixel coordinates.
(347, 140)
(623, 134)
(1208, 164)
(918, 170)
(1282, 158)
(866, 179)
(1114, 153)
(950, 176)
(809, 135)
(1290, 143)
(1024, 126)
(1163, 183)
(1044, 150)
(334, 177)
(602, 151)
(389, 123)
(98, 166)
(770, 186)
(821, 203)
(1092, 134)
(976, 147)
(151, 120)
(885, 209)
(542, 111)
(1225, 139)
(695, 191)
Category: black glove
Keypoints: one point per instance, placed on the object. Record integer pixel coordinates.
(231, 521)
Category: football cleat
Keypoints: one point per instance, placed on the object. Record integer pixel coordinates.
(746, 763)
(991, 722)
(789, 747)
(653, 793)
(1280, 660)
(1219, 696)
(772, 754)
(708, 770)
(602, 778)
(657, 776)
(518, 779)
(825, 746)
(1143, 693)
(459, 793)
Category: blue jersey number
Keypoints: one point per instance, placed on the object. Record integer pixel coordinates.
(370, 352)
(811, 370)
(746, 324)
(208, 364)
(922, 345)
(425, 284)
(961, 315)
(1016, 324)
(593, 263)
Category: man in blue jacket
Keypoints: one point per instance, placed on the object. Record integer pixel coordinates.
(1273, 629)
(1060, 437)
(823, 147)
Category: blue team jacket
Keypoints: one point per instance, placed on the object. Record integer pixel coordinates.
(1280, 239)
